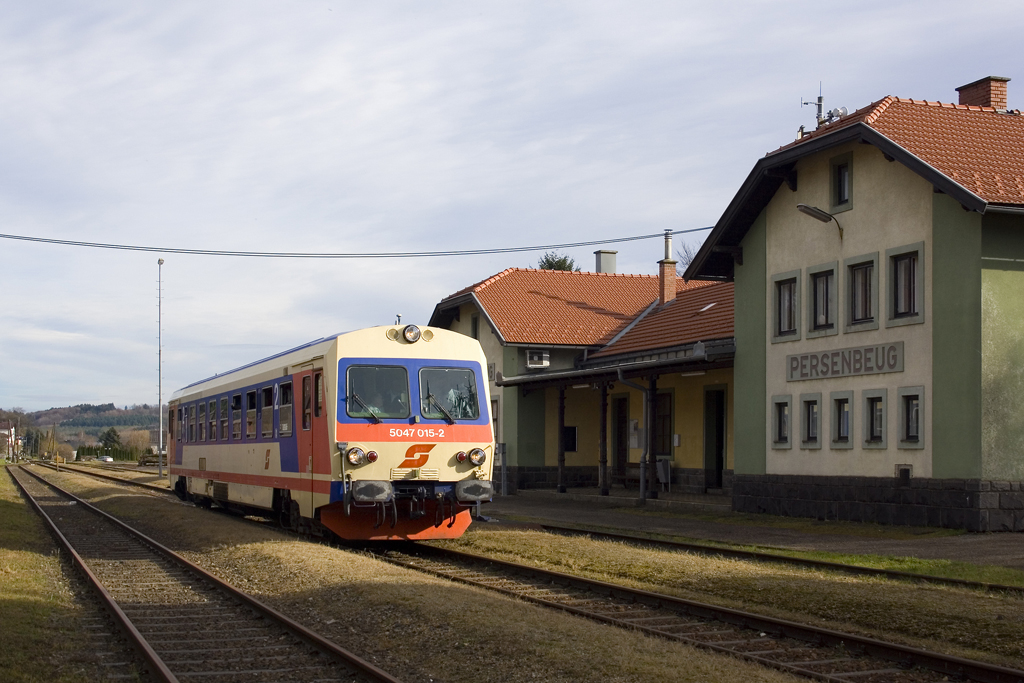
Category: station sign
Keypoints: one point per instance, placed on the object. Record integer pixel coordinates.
(850, 362)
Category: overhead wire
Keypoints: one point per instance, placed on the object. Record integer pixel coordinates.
(352, 255)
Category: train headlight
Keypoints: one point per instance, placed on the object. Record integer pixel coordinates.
(356, 456)
(371, 456)
(477, 456)
(461, 456)
(411, 333)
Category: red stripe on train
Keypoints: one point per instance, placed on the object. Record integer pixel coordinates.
(294, 483)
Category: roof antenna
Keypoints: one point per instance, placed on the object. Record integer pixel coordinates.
(398, 318)
(824, 117)
(820, 117)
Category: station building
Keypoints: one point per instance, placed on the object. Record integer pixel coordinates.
(878, 264)
(590, 371)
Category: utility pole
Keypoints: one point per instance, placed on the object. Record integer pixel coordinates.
(160, 364)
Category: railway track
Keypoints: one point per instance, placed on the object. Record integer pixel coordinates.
(750, 555)
(811, 652)
(699, 548)
(186, 624)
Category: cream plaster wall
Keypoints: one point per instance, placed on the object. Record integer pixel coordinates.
(892, 207)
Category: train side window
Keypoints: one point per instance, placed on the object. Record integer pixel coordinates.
(224, 419)
(307, 402)
(250, 414)
(192, 422)
(236, 417)
(318, 406)
(179, 424)
(211, 415)
(202, 422)
(267, 412)
(284, 418)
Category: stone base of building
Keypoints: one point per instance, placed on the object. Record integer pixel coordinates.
(971, 504)
(684, 480)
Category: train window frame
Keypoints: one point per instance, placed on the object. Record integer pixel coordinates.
(318, 394)
(307, 403)
(192, 423)
(202, 420)
(179, 423)
(366, 404)
(223, 415)
(425, 403)
(285, 415)
(236, 417)
(266, 408)
(250, 414)
(211, 417)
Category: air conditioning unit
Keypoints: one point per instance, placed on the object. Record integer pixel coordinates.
(535, 358)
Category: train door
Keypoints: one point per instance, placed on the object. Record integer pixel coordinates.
(320, 457)
(303, 491)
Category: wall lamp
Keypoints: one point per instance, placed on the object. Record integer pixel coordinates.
(823, 216)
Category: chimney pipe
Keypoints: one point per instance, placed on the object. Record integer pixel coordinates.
(605, 261)
(985, 92)
(667, 273)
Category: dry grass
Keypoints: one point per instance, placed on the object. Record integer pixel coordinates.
(415, 626)
(962, 622)
(41, 637)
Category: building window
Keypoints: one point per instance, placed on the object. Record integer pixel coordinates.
(786, 305)
(284, 417)
(842, 419)
(911, 418)
(781, 411)
(810, 413)
(875, 418)
(474, 326)
(250, 414)
(569, 439)
(822, 294)
(905, 285)
(842, 183)
(862, 297)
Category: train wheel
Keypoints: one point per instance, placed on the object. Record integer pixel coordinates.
(179, 489)
(291, 517)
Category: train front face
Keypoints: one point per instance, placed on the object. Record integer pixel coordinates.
(413, 435)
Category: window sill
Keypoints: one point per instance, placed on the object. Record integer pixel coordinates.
(861, 326)
(916, 319)
(841, 445)
(782, 445)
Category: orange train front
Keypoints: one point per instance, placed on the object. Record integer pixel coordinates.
(382, 433)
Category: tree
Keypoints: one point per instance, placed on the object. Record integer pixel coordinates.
(686, 253)
(552, 260)
(137, 441)
(110, 438)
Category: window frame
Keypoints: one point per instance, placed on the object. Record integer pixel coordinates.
(867, 397)
(777, 401)
(777, 281)
(225, 422)
(202, 420)
(834, 399)
(902, 393)
(813, 330)
(806, 423)
(211, 418)
(266, 412)
(286, 411)
(891, 257)
(236, 417)
(835, 164)
(848, 266)
(568, 441)
(251, 413)
(180, 423)
(664, 424)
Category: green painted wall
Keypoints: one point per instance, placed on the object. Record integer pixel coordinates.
(1002, 339)
(530, 446)
(749, 400)
(956, 341)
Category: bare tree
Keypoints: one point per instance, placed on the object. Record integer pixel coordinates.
(686, 253)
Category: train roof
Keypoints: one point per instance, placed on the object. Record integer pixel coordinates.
(281, 354)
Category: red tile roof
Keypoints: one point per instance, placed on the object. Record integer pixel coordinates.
(560, 307)
(978, 147)
(698, 314)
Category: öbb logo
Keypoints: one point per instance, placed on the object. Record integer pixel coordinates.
(417, 455)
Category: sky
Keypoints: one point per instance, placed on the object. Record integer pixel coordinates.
(359, 127)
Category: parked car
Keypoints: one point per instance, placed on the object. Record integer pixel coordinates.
(105, 458)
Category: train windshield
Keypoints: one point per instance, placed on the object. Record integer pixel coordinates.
(448, 394)
(377, 391)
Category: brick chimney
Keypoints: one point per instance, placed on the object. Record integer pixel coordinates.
(667, 273)
(986, 92)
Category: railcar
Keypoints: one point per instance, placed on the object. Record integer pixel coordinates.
(382, 433)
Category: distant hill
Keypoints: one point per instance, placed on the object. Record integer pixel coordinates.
(88, 420)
